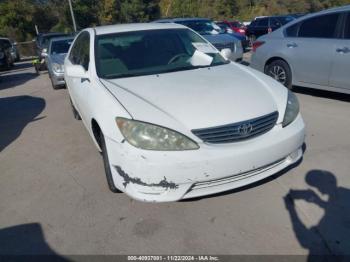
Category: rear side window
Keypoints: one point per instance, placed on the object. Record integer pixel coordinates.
(263, 22)
(275, 22)
(347, 27)
(319, 27)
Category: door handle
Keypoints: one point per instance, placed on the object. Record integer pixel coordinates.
(82, 80)
(343, 50)
(292, 45)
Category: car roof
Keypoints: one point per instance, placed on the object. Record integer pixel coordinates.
(110, 29)
(181, 19)
(61, 38)
(5, 38)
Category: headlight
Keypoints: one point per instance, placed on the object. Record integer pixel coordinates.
(2, 55)
(57, 68)
(292, 109)
(153, 137)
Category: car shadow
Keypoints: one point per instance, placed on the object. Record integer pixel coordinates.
(26, 242)
(322, 93)
(16, 76)
(251, 186)
(15, 114)
(331, 236)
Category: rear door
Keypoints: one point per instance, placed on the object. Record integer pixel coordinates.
(340, 76)
(310, 48)
(262, 26)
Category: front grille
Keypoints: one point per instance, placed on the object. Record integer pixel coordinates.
(238, 131)
(221, 46)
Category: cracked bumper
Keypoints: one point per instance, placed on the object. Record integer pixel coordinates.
(154, 176)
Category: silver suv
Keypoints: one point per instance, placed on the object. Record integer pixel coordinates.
(313, 51)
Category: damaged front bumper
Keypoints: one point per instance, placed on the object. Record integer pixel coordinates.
(155, 176)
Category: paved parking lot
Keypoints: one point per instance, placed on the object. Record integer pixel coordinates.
(53, 192)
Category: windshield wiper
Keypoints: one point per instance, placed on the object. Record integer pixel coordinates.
(111, 76)
(183, 68)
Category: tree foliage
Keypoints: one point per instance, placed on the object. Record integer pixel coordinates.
(19, 17)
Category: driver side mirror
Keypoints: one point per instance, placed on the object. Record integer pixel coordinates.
(226, 53)
(76, 71)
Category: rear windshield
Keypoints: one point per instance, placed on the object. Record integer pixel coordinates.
(61, 46)
(46, 39)
(285, 19)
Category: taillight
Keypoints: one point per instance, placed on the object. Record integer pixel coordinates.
(257, 44)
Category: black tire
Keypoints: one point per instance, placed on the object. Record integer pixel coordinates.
(107, 166)
(75, 112)
(280, 71)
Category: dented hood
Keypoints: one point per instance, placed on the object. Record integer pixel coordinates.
(199, 98)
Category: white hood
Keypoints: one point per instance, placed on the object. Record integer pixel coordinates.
(200, 98)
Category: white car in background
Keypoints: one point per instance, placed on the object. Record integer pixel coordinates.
(173, 118)
(313, 51)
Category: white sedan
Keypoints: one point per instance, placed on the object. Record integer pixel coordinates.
(173, 118)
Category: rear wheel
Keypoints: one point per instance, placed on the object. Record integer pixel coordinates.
(280, 71)
(107, 166)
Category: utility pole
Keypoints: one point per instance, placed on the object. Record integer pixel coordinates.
(72, 13)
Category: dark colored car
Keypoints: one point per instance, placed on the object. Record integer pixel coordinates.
(227, 29)
(14, 51)
(6, 58)
(43, 40)
(265, 25)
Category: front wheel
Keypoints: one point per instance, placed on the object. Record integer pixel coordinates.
(280, 71)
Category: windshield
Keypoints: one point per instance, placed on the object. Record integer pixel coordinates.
(203, 27)
(61, 46)
(153, 52)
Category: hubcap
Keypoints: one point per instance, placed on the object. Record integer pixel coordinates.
(278, 73)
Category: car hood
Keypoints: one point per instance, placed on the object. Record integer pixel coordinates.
(58, 58)
(220, 38)
(199, 98)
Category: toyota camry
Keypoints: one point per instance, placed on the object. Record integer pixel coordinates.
(173, 117)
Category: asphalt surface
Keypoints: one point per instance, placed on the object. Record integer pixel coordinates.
(54, 198)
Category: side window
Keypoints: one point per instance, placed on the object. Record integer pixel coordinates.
(319, 27)
(275, 22)
(80, 53)
(292, 31)
(263, 22)
(347, 27)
